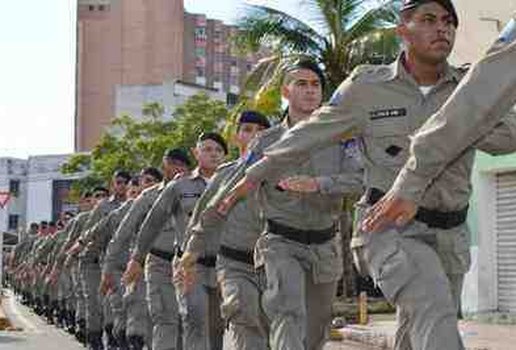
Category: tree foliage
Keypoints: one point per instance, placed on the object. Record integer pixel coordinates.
(344, 34)
(132, 144)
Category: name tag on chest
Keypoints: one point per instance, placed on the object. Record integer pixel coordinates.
(388, 113)
(191, 195)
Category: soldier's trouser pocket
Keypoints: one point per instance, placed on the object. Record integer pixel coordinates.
(386, 259)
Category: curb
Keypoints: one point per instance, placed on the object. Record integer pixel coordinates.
(365, 335)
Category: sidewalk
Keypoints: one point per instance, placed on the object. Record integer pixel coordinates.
(477, 336)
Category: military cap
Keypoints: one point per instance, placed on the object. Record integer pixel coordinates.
(214, 137)
(177, 154)
(253, 117)
(123, 174)
(306, 63)
(447, 4)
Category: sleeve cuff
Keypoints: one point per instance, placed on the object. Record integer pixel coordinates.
(409, 186)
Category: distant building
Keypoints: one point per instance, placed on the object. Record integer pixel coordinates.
(38, 189)
(129, 99)
(137, 43)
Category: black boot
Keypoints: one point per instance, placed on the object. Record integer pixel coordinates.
(70, 321)
(111, 339)
(94, 341)
(136, 342)
(80, 332)
(121, 340)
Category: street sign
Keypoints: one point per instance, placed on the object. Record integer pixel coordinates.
(4, 198)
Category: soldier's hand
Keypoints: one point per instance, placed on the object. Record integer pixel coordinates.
(300, 183)
(184, 271)
(107, 284)
(132, 273)
(241, 190)
(54, 276)
(390, 210)
(75, 249)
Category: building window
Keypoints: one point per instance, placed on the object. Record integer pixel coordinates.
(199, 72)
(91, 8)
(13, 222)
(14, 188)
(102, 7)
(200, 33)
(200, 51)
(232, 99)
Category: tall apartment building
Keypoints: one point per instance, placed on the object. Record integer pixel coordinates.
(138, 42)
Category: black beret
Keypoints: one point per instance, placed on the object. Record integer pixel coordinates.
(214, 137)
(123, 174)
(253, 117)
(178, 154)
(447, 4)
(152, 171)
(305, 63)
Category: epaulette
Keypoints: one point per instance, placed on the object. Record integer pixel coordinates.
(368, 73)
(270, 132)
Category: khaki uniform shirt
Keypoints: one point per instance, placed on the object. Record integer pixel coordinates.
(383, 105)
(175, 203)
(117, 252)
(486, 94)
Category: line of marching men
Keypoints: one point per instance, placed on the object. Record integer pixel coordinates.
(154, 263)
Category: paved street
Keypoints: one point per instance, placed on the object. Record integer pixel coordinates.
(38, 335)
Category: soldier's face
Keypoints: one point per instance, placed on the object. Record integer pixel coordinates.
(209, 154)
(247, 132)
(133, 191)
(172, 167)
(147, 181)
(85, 203)
(429, 33)
(303, 91)
(119, 185)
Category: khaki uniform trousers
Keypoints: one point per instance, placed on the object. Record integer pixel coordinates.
(241, 289)
(162, 303)
(420, 270)
(301, 282)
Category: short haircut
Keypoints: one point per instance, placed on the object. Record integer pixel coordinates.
(123, 174)
(152, 171)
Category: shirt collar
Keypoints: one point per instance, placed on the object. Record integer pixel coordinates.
(398, 71)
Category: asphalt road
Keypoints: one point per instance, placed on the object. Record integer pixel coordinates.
(36, 334)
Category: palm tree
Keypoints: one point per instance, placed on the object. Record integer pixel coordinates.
(345, 33)
(349, 33)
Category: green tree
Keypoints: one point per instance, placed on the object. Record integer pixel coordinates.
(132, 144)
(345, 33)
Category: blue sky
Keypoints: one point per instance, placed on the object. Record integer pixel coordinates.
(37, 73)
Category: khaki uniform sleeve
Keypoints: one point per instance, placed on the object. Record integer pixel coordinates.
(478, 104)
(200, 225)
(342, 118)
(161, 211)
(126, 231)
(502, 139)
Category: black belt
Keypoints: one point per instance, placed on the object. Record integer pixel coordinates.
(301, 236)
(433, 218)
(246, 257)
(207, 261)
(162, 254)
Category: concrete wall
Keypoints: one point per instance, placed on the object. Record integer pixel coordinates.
(130, 98)
(480, 23)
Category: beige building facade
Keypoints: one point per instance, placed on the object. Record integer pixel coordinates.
(141, 42)
(480, 23)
